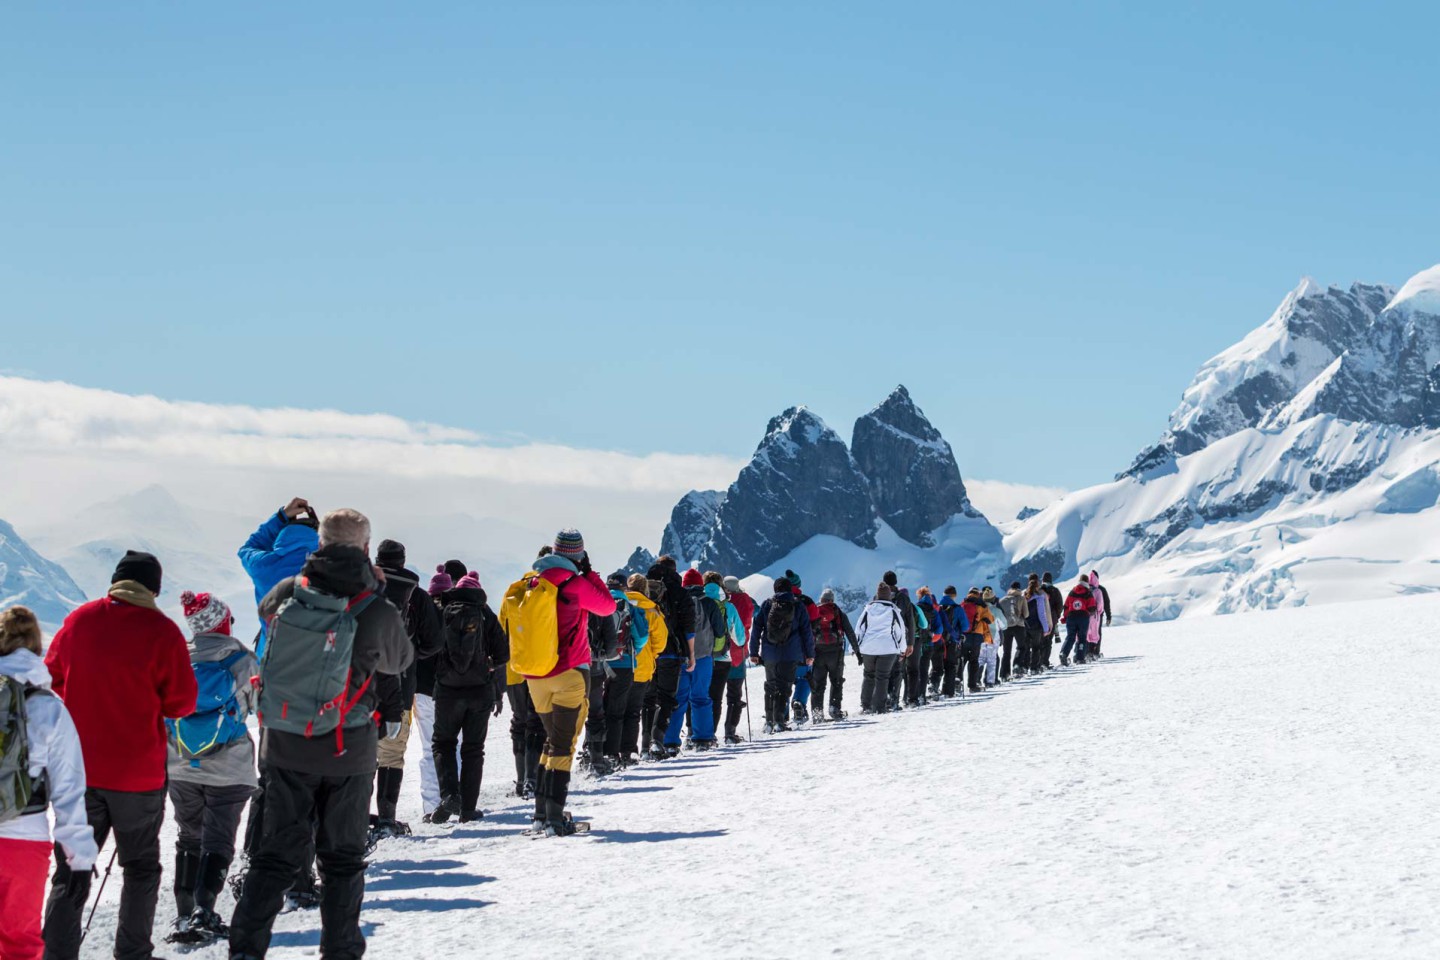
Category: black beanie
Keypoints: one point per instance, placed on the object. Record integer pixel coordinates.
(391, 552)
(143, 568)
(456, 569)
(782, 585)
(890, 578)
(1049, 577)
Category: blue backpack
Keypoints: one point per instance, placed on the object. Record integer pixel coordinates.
(217, 719)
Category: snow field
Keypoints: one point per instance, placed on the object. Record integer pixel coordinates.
(1257, 785)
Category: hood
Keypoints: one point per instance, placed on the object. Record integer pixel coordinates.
(553, 562)
(1094, 579)
(211, 647)
(639, 599)
(470, 595)
(715, 592)
(128, 591)
(296, 538)
(25, 666)
(339, 570)
(400, 585)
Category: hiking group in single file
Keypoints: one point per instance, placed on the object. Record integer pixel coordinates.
(121, 711)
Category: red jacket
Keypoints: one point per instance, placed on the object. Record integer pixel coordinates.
(579, 598)
(121, 670)
(746, 608)
(1081, 600)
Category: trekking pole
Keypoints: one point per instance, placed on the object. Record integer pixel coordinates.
(99, 893)
(749, 731)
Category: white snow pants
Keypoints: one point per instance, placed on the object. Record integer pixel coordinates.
(988, 659)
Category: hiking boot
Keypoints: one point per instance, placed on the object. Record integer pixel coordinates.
(783, 727)
(798, 711)
(733, 738)
(602, 767)
(470, 816)
(449, 807)
(701, 746)
(207, 927)
(837, 714)
(672, 750)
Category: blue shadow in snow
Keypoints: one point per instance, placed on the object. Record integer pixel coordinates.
(420, 905)
(311, 938)
(655, 836)
(424, 880)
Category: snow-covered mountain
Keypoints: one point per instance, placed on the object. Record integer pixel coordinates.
(841, 516)
(1302, 466)
(28, 579)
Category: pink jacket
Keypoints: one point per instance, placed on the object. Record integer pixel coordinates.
(580, 597)
(1099, 612)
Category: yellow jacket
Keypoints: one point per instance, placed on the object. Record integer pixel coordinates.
(659, 636)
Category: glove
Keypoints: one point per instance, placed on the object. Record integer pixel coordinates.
(499, 705)
(77, 888)
(392, 729)
(584, 564)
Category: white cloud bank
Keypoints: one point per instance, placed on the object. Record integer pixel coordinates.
(60, 418)
(1001, 501)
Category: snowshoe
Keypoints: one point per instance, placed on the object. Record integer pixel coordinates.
(601, 767)
(180, 932)
(471, 816)
(206, 927)
(836, 714)
(703, 746)
(672, 751)
(798, 711)
(302, 900)
(783, 727)
(733, 738)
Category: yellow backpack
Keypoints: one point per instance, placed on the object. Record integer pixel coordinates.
(529, 616)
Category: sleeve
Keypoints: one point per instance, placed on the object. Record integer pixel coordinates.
(257, 552)
(685, 612)
(278, 594)
(757, 629)
(389, 698)
(58, 660)
(807, 636)
(592, 594)
(174, 676)
(429, 631)
(848, 630)
(65, 770)
(734, 625)
(659, 632)
(963, 620)
(245, 671)
(497, 644)
(907, 618)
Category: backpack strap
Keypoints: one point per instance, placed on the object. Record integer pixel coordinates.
(355, 607)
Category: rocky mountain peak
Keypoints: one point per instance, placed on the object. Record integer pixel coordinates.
(909, 469)
(28, 579)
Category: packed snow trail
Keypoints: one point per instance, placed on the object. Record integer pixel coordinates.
(1255, 785)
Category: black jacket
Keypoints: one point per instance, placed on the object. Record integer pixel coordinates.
(906, 607)
(679, 611)
(487, 670)
(1057, 604)
(381, 646)
(422, 626)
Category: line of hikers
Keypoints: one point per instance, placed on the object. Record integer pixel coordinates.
(123, 710)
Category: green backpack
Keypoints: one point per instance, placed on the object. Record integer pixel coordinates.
(305, 678)
(20, 793)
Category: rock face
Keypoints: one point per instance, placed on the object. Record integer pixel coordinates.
(802, 482)
(1248, 384)
(690, 524)
(909, 469)
(1391, 373)
(641, 560)
(28, 579)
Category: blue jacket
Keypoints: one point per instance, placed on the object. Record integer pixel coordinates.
(956, 623)
(274, 552)
(800, 646)
(928, 606)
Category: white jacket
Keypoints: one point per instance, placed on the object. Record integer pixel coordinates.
(880, 629)
(54, 751)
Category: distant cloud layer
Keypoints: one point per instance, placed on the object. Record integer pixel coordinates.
(1001, 501)
(54, 417)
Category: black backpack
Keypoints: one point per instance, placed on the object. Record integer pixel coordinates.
(780, 621)
(464, 634)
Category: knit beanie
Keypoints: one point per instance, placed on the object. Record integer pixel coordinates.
(471, 581)
(390, 553)
(882, 592)
(569, 544)
(205, 613)
(455, 569)
(637, 583)
(441, 582)
(731, 584)
(782, 585)
(890, 579)
(692, 578)
(827, 595)
(143, 568)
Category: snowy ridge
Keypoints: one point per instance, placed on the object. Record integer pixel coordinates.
(28, 579)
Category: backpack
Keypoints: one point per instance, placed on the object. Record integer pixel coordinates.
(217, 719)
(780, 621)
(306, 676)
(464, 634)
(20, 793)
(1013, 606)
(530, 616)
(827, 628)
(1078, 603)
(704, 628)
(632, 629)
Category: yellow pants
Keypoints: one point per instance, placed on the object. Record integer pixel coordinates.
(561, 703)
(391, 753)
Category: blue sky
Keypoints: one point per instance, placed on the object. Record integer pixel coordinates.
(649, 227)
